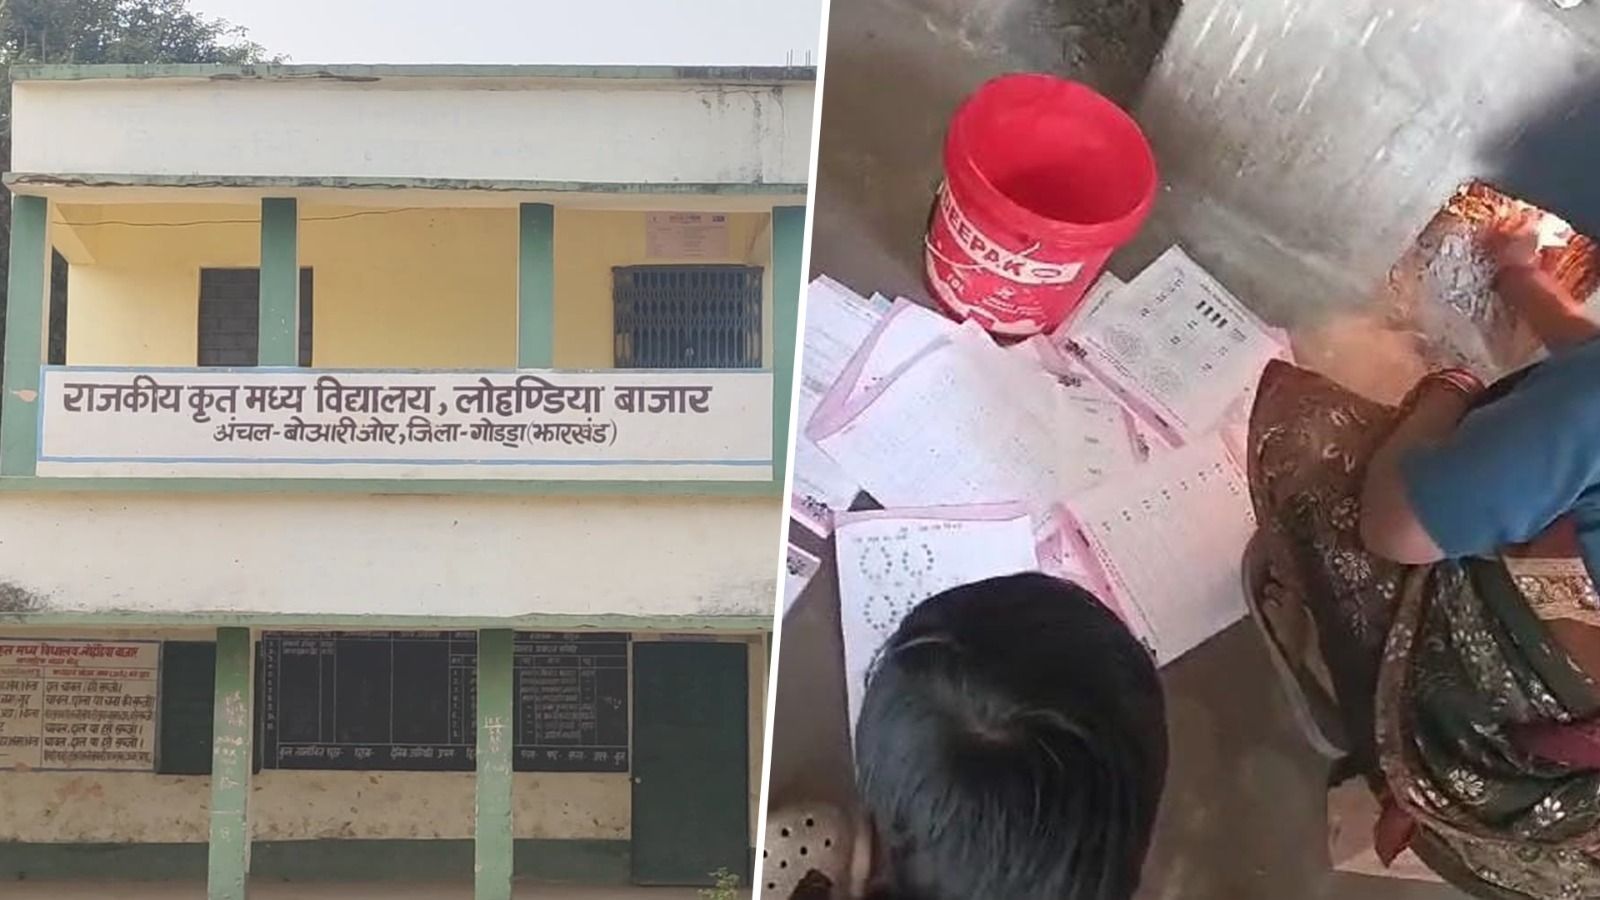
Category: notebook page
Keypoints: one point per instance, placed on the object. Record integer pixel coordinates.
(1038, 352)
(957, 429)
(908, 329)
(1107, 284)
(1076, 382)
(1063, 553)
(1096, 439)
(1060, 555)
(1176, 345)
(1090, 429)
(892, 560)
(1169, 538)
(907, 333)
(1034, 350)
(838, 321)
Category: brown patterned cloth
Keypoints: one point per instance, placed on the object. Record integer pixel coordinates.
(1432, 669)
(1328, 601)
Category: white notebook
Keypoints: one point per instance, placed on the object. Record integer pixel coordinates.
(1164, 545)
(905, 333)
(892, 560)
(838, 321)
(1175, 345)
(965, 422)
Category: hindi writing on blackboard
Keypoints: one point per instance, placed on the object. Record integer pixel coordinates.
(408, 700)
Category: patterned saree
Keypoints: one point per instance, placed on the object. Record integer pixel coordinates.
(1455, 685)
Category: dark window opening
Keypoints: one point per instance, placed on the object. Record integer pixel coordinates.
(56, 347)
(188, 695)
(230, 317)
(687, 317)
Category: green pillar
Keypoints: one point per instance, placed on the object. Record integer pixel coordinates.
(536, 286)
(27, 286)
(278, 342)
(491, 868)
(788, 260)
(230, 767)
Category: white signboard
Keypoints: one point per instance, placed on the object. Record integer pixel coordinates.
(265, 422)
(78, 704)
(686, 235)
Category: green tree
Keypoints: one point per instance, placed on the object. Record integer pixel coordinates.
(85, 32)
(118, 31)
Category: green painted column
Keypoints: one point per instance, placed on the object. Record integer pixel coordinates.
(788, 261)
(536, 286)
(491, 870)
(230, 767)
(278, 342)
(27, 286)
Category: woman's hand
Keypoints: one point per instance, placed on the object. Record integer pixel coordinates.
(1536, 295)
(1513, 241)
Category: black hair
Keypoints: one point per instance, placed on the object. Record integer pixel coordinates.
(1012, 744)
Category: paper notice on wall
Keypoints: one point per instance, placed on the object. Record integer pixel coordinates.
(78, 704)
(681, 235)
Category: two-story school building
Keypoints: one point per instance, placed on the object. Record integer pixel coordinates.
(390, 469)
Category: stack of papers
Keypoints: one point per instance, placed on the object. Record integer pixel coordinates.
(1111, 450)
(1175, 346)
(929, 413)
(838, 322)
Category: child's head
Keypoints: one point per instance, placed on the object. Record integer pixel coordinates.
(1012, 743)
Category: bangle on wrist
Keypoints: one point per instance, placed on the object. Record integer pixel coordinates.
(1459, 380)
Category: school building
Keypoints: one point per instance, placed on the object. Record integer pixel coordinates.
(390, 469)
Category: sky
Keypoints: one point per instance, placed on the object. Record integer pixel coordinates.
(592, 32)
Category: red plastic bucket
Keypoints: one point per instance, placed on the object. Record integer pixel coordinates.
(1044, 179)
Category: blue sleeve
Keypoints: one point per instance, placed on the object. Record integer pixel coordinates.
(1508, 472)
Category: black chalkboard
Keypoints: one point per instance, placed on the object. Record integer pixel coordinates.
(408, 701)
(188, 701)
(572, 702)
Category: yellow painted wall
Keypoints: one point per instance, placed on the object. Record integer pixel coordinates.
(434, 288)
(137, 303)
(424, 288)
(427, 288)
(590, 242)
(143, 807)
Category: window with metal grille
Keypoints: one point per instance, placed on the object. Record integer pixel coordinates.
(687, 317)
(230, 317)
